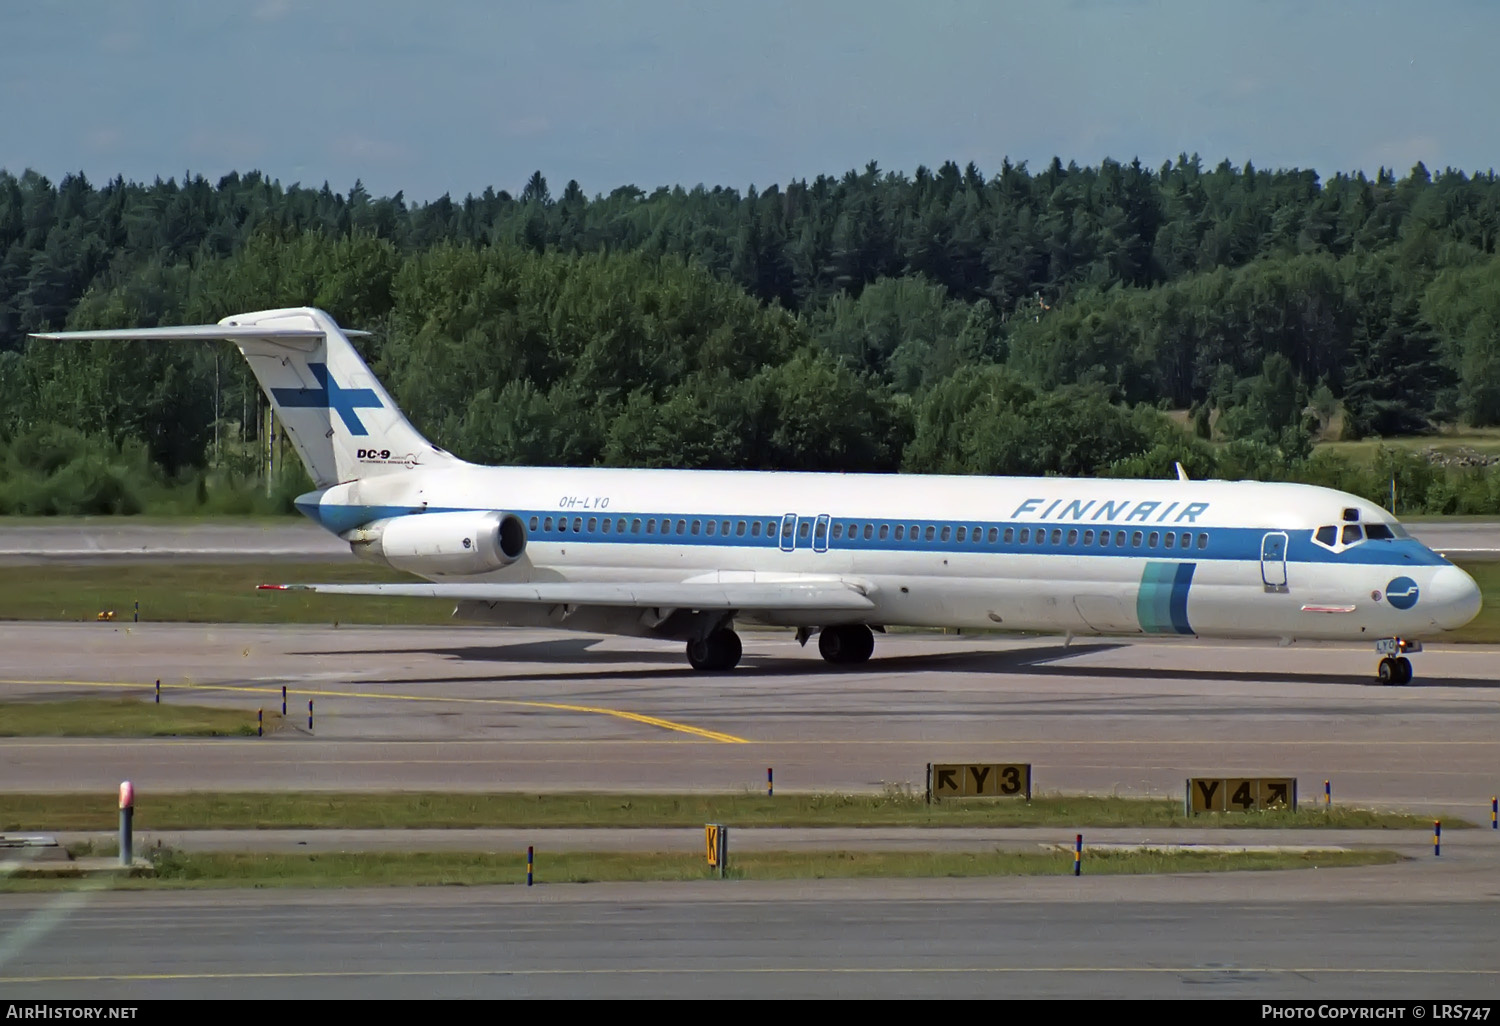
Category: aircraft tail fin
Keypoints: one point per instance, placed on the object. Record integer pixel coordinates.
(343, 423)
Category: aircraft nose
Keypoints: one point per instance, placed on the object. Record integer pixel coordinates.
(1454, 596)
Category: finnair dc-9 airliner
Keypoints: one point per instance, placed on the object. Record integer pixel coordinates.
(688, 554)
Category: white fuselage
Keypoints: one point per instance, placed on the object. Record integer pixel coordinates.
(1208, 558)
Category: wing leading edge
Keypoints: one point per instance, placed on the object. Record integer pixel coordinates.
(747, 595)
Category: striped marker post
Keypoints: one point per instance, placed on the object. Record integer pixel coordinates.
(158, 691)
(1494, 813)
(260, 722)
(1437, 837)
(137, 611)
(770, 790)
(283, 700)
(528, 865)
(1327, 797)
(309, 715)
(1078, 855)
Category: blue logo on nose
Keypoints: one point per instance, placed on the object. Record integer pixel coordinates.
(1401, 593)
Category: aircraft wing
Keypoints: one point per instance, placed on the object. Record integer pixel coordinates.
(737, 595)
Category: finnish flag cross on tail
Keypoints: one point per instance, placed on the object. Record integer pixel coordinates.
(340, 419)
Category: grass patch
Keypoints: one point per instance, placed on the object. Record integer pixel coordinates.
(176, 869)
(218, 593)
(126, 717)
(408, 810)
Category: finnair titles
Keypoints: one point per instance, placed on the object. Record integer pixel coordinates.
(690, 555)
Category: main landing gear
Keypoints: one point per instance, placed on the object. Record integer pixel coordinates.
(1394, 667)
(719, 651)
(846, 643)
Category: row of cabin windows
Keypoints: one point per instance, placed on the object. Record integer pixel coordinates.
(654, 525)
(976, 535)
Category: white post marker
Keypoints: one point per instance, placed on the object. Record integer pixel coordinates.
(127, 814)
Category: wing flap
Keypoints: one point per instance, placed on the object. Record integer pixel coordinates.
(744, 595)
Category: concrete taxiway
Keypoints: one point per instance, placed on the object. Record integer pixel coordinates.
(482, 709)
(1308, 934)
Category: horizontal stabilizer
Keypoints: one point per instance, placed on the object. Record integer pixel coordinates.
(186, 333)
(732, 596)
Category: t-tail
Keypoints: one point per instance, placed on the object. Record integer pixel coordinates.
(343, 423)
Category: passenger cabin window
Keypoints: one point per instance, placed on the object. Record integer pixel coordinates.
(608, 525)
(1151, 542)
(838, 529)
(682, 526)
(1057, 536)
(578, 524)
(1088, 537)
(802, 529)
(869, 532)
(930, 532)
(547, 524)
(651, 526)
(1010, 534)
(1073, 537)
(1328, 535)
(1025, 535)
(947, 532)
(739, 528)
(755, 528)
(1203, 541)
(723, 527)
(635, 525)
(533, 523)
(900, 532)
(1104, 539)
(712, 527)
(593, 524)
(1040, 537)
(962, 534)
(1169, 540)
(1135, 539)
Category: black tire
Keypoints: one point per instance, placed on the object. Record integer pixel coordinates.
(847, 643)
(1403, 670)
(720, 651)
(1387, 671)
(728, 649)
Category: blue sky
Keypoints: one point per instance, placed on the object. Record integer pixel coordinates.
(454, 95)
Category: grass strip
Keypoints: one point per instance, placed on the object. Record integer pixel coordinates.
(207, 593)
(175, 869)
(127, 717)
(194, 810)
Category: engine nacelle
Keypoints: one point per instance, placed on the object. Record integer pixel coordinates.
(444, 543)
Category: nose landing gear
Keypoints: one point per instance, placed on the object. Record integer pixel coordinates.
(1395, 668)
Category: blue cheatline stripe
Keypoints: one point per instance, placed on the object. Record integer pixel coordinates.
(1222, 543)
(1161, 605)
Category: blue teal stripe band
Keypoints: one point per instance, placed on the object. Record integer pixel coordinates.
(1161, 605)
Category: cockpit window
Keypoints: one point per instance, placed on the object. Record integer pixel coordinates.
(1378, 531)
(1352, 534)
(1327, 535)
